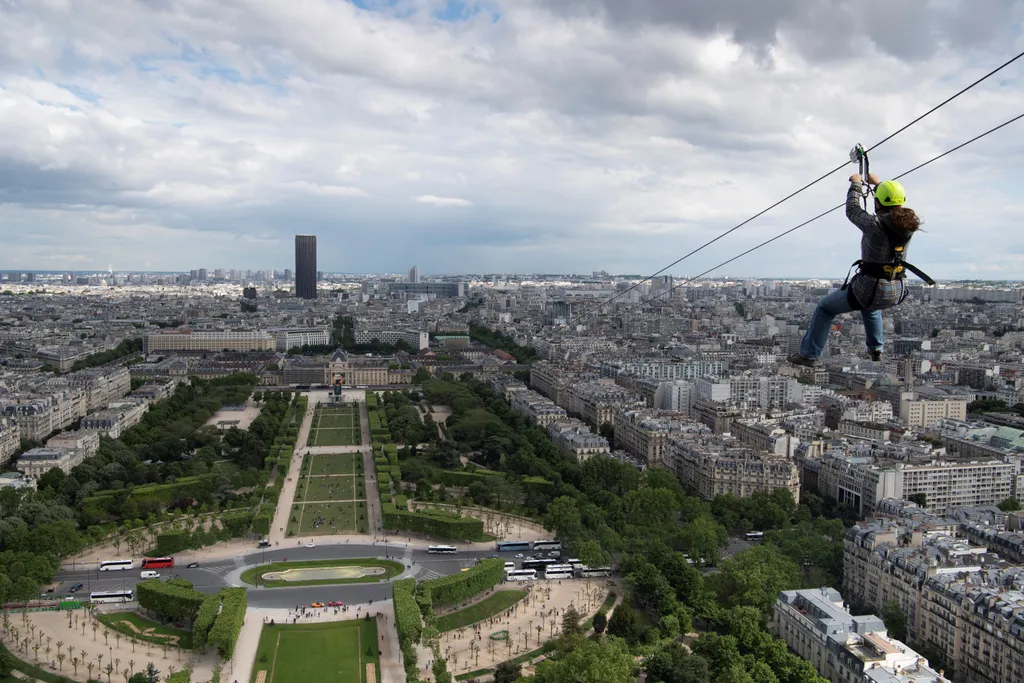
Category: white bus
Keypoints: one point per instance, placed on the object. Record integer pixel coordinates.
(116, 565)
(573, 562)
(585, 572)
(521, 575)
(754, 535)
(446, 549)
(112, 596)
(558, 571)
(510, 565)
(547, 545)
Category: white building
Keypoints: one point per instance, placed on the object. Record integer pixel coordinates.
(211, 341)
(295, 337)
(38, 461)
(843, 648)
(10, 439)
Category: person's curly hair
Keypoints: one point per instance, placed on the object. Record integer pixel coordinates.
(902, 218)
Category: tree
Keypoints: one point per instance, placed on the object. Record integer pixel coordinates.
(625, 623)
(702, 538)
(920, 499)
(673, 663)
(607, 430)
(6, 663)
(734, 674)
(420, 376)
(604, 661)
(152, 673)
(895, 621)
(1010, 505)
(600, 623)
(755, 577)
(508, 672)
(669, 626)
(571, 621)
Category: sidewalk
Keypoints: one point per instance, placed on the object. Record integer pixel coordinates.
(284, 502)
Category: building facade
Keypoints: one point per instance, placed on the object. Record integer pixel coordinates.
(305, 266)
(208, 341)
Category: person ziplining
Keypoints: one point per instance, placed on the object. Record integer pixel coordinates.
(881, 270)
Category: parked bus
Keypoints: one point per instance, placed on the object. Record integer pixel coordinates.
(112, 596)
(547, 545)
(539, 563)
(508, 546)
(157, 562)
(443, 549)
(510, 565)
(521, 575)
(116, 565)
(585, 572)
(754, 535)
(573, 562)
(558, 571)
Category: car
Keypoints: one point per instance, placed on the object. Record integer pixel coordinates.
(335, 603)
(77, 587)
(316, 604)
(192, 565)
(311, 545)
(554, 553)
(493, 557)
(519, 556)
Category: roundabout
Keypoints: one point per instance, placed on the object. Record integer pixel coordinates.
(322, 572)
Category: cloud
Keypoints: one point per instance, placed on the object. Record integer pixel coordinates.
(442, 201)
(589, 134)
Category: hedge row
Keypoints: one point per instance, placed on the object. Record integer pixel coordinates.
(169, 600)
(432, 523)
(401, 502)
(228, 624)
(454, 588)
(182, 676)
(186, 487)
(464, 478)
(408, 619)
(204, 621)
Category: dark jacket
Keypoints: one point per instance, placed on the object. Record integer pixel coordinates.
(875, 246)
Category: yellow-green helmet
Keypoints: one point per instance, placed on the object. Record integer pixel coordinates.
(890, 193)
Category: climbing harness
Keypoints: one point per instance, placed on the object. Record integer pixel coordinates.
(892, 270)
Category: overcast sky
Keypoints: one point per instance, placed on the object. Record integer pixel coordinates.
(518, 136)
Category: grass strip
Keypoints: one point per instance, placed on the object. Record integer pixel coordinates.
(254, 574)
(496, 603)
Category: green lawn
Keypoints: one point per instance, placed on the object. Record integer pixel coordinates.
(496, 603)
(332, 463)
(332, 488)
(146, 629)
(318, 653)
(253, 574)
(336, 437)
(346, 518)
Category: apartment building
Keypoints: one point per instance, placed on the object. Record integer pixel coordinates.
(663, 370)
(844, 648)
(550, 380)
(574, 439)
(86, 442)
(10, 439)
(208, 341)
(39, 416)
(961, 600)
(537, 409)
(865, 431)
(297, 337)
(417, 339)
(114, 422)
(916, 412)
(862, 478)
(709, 466)
(37, 461)
(101, 385)
(764, 437)
(596, 402)
(643, 433)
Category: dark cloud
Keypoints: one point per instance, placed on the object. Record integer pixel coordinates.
(823, 29)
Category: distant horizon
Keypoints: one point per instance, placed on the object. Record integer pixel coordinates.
(706, 278)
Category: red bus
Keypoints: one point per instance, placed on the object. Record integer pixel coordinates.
(157, 562)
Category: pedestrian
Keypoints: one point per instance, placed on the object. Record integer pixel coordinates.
(879, 281)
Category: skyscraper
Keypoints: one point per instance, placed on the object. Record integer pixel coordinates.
(414, 274)
(305, 266)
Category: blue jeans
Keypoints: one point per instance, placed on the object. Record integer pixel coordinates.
(821, 324)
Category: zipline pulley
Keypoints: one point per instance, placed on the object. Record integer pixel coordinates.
(859, 156)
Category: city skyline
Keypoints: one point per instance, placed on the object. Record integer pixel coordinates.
(510, 149)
